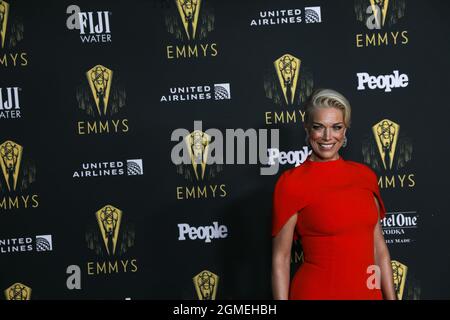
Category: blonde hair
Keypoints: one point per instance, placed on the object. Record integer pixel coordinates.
(328, 98)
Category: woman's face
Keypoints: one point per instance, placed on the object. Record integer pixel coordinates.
(326, 133)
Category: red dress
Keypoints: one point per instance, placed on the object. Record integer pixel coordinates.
(336, 218)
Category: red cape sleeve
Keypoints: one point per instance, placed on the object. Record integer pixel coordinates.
(287, 201)
(373, 186)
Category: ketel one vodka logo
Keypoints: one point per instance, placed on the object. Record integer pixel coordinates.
(9, 103)
(11, 33)
(190, 21)
(387, 151)
(399, 272)
(111, 239)
(18, 291)
(16, 176)
(378, 15)
(206, 284)
(94, 27)
(101, 98)
(287, 83)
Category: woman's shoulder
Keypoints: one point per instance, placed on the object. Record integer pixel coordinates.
(361, 169)
(293, 176)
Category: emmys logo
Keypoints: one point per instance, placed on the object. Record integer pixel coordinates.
(100, 78)
(16, 176)
(388, 151)
(94, 27)
(198, 168)
(189, 11)
(109, 219)
(18, 291)
(386, 82)
(11, 33)
(197, 144)
(11, 158)
(190, 21)
(4, 13)
(288, 69)
(101, 98)
(206, 284)
(9, 103)
(288, 16)
(218, 91)
(399, 272)
(399, 226)
(378, 15)
(287, 84)
(112, 238)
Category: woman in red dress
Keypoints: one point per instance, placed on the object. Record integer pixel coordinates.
(334, 207)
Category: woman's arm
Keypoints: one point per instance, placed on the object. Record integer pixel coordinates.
(383, 260)
(281, 260)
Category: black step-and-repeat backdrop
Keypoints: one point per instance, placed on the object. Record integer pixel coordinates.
(134, 137)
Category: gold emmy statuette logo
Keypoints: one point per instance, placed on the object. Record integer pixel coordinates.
(10, 158)
(386, 135)
(99, 78)
(288, 68)
(189, 11)
(4, 12)
(198, 146)
(206, 285)
(109, 219)
(380, 5)
(399, 271)
(18, 291)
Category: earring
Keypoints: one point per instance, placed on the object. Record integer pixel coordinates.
(345, 142)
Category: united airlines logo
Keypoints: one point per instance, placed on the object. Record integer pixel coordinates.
(18, 291)
(206, 284)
